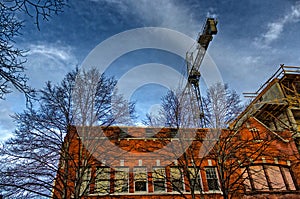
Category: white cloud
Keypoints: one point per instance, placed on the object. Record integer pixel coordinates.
(165, 13)
(211, 13)
(295, 13)
(45, 62)
(58, 52)
(5, 119)
(6, 122)
(274, 29)
(48, 62)
(251, 60)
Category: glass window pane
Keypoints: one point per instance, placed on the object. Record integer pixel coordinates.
(212, 179)
(276, 178)
(176, 179)
(140, 179)
(246, 179)
(102, 180)
(159, 173)
(259, 178)
(86, 177)
(121, 180)
(140, 186)
(195, 179)
(159, 176)
(289, 179)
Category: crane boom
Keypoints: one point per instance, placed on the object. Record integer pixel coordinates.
(193, 66)
(209, 29)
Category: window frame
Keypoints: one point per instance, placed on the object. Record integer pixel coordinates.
(108, 180)
(85, 182)
(198, 179)
(163, 179)
(145, 179)
(272, 182)
(217, 179)
(175, 188)
(283, 170)
(255, 134)
(125, 170)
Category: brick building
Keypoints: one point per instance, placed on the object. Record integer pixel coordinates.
(256, 157)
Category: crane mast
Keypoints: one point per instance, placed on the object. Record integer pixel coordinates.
(193, 66)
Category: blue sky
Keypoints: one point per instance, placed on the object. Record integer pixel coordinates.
(254, 38)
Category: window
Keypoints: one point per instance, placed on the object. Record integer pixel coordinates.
(258, 177)
(195, 179)
(212, 178)
(149, 132)
(246, 179)
(275, 177)
(140, 179)
(278, 178)
(176, 179)
(102, 180)
(255, 133)
(121, 180)
(85, 174)
(158, 176)
(289, 179)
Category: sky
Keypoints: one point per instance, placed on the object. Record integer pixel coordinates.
(254, 38)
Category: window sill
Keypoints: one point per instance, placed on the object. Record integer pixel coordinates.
(213, 191)
(257, 141)
(158, 193)
(273, 192)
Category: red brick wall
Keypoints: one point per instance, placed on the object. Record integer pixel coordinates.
(283, 146)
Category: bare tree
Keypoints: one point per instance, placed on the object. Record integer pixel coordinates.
(154, 120)
(236, 150)
(235, 155)
(176, 114)
(35, 9)
(42, 149)
(169, 114)
(172, 109)
(177, 111)
(221, 105)
(11, 62)
(245, 152)
(12, 59)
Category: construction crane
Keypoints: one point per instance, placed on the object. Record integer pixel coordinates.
(193, 68)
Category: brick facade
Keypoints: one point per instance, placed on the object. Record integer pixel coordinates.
(256, 157)
(279, 159)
